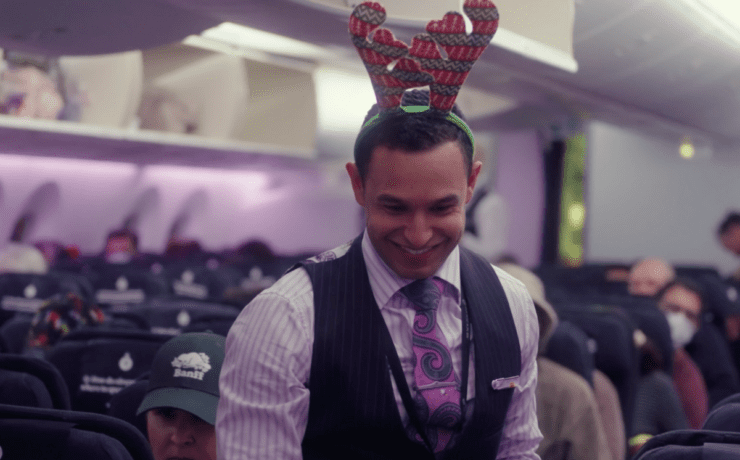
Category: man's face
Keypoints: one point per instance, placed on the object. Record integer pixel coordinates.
(175, 433)
(647, 277)
(415, 205)
(731, 239)
(678, 299)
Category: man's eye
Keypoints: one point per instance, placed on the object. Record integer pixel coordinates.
(166, 412)
(396, 209)
(441, 209)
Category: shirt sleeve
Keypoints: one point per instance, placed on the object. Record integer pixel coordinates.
(263, 406)
(522, 435)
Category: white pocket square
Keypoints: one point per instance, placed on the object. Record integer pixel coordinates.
(505, 382)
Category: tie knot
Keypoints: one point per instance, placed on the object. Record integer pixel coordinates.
(424, 294)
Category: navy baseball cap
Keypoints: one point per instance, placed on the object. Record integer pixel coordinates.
(185, 375)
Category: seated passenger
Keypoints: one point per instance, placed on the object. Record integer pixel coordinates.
(121, 246)
(681, 301)
(22, 258)
(646, 278)
(182, 396)
(57, 317)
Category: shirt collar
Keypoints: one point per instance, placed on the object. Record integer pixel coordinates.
(384, 282)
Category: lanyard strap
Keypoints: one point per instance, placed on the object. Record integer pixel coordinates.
(403, 388)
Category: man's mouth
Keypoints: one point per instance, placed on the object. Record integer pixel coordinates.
(416, 252)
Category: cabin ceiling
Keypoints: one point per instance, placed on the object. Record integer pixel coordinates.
(640, 62)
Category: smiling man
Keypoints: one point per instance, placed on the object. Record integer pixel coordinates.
(399, 344)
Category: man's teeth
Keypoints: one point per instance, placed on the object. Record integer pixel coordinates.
(416, 252)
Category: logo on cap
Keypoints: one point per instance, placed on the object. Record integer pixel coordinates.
(193, 365)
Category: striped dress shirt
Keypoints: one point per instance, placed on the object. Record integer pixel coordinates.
(263, 408)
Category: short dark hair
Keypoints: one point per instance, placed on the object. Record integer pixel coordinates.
(412, 132)
(731, 219)
(686, 283)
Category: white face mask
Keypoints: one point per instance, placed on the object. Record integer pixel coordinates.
(682, 329)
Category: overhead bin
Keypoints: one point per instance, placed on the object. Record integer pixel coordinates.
(191, 96)
(541, 30)
(82, 27)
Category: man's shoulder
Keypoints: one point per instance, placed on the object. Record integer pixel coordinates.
(296, 283)
(508, 281)
(331, 254)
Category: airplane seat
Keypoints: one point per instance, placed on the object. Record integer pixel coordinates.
(612, 332)
(720, 298)
(46, 434)
(27, 292)
(216, 325)
(96, 363)
(650, 321)
(725, 417)
(173, 316)
(735, 398)
(21, 389)
(14, 333)
(199, 281)
(583, 282)
(28, 381)
(124, 404)
(691, 445)
(712, 353)
(40, 370)
(569, 346)
(126, 284)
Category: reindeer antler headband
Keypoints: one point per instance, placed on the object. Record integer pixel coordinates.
(422, 64)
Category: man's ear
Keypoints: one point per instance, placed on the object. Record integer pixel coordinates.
(474, 171)
(357, 186)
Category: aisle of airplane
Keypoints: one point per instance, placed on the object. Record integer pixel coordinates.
(254, 138)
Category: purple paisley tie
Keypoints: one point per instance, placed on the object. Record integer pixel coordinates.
(437, 387)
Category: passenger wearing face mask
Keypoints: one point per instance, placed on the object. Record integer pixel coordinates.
(681, 301)
(646, 279)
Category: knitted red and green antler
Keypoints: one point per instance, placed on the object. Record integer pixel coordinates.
(378, 54)
(423, 64)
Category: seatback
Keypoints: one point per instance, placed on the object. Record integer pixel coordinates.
(14, 333)
(124, 404)
(691, 445)
(583, 282)
(200, 282)
(45, 372)
(26, 292)
(725, 417)
(97, 363)
(126, 285)
(173, 316)
(23, 389)
(720, 298)
(569, 346)
(41, 434)
(616, 354)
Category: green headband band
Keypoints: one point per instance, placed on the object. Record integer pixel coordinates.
(451, 117)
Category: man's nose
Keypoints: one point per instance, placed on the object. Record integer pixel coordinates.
(418, 231)
(183, 431)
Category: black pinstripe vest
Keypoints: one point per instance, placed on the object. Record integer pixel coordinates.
(352, 410)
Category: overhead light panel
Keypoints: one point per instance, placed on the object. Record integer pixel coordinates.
(719, 15)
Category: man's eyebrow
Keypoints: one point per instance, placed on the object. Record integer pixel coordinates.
(448, 200)
(389, 199)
